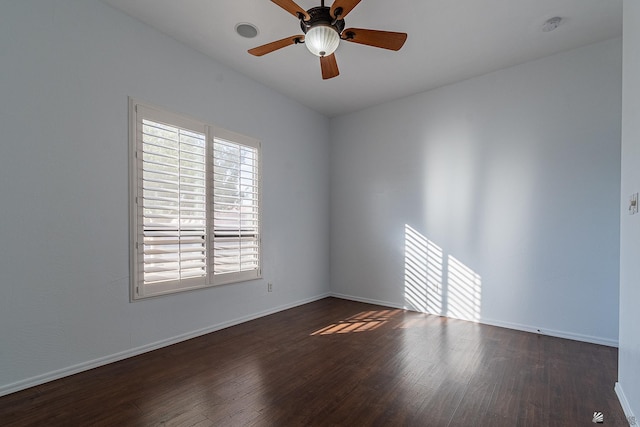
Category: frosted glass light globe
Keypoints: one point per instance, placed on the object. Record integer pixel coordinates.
(322, 40)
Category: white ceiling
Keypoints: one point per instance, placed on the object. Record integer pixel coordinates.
(449, 41)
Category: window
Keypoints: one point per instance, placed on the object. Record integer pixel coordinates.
(195, 204)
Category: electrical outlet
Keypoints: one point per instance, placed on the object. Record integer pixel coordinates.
(269, 287)
(633, 204)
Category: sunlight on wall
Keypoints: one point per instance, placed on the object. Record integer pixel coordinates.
(464, 291)
(423, 273)
(425, 287)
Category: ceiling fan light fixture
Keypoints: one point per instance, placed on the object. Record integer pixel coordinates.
(323, 28)
(322, 40)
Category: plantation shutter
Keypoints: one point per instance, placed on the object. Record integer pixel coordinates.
(236, 208)
(172, 231)
(195, 204)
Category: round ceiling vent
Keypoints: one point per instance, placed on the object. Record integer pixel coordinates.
(246, 30)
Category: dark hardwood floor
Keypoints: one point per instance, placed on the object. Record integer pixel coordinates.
(339, 363)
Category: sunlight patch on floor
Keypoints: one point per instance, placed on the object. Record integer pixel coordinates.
(361, 322)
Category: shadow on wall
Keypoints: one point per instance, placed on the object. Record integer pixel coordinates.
(438, 285)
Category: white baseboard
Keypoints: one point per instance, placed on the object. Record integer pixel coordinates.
(501, 324)
(625, 405)
(367, 300)
(552, 333)
(85, 366)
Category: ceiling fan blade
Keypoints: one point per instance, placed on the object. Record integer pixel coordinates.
(346, 6)
(329, 66)
(293, 8)
(384, 39)
(278, 44)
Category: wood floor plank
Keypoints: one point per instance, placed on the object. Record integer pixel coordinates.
(338, 363)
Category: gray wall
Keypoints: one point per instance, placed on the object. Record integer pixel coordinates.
(67, 69)
(494, 199)
(628, 386)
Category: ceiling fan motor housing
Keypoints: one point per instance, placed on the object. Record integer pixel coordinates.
(321, 15)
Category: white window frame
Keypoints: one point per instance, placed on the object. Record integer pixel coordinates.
(138, 288)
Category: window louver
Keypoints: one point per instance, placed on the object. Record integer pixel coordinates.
(174, 203)
(236, 208)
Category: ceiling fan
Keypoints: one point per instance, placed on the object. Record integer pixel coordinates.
(323, 28)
